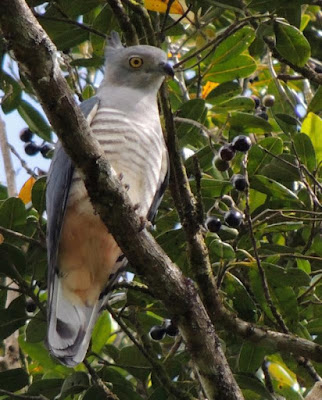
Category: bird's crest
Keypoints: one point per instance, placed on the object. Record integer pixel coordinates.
(114, 41)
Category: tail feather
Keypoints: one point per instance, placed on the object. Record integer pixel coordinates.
(70, 327)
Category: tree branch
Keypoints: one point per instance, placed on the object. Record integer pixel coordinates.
(37, 57)
(200, 264)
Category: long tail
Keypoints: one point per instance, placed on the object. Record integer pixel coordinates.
(70, 327)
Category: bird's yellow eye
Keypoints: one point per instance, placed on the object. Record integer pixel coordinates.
(135, 62)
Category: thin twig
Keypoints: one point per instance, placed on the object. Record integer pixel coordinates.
(305, 71)
(72, 22)
(20, 236)
(155, 363)
(22, 396)
(23, 162)
(146, 20)
(261, 271)
(109, 395)
(124, 21)
(137, 286)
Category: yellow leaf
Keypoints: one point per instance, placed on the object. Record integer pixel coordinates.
(281, 375)
(1, 238)
(25, 192)
(208, 88)
(161, 6)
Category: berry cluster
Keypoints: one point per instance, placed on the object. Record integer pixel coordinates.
(227, 152)
(260, 105)
(157, 332)
(31, 148)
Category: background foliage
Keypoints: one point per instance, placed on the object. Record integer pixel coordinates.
(225, 53)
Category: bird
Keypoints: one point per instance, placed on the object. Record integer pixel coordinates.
(84, 259)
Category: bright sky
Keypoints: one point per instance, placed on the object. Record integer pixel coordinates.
(14, 124)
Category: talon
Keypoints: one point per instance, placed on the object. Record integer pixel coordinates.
(144, 224)
(136, 206)
(126, 187)
(120, 176)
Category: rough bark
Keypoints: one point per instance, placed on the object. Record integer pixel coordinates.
(37, 57)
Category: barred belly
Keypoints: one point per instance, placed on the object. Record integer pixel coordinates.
(135, 153)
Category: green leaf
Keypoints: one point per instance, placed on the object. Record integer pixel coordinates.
(12, 213)
(102, 23)
(280, 171)
(291, 43)
(74, 8)
(188, 134)
(255, 385)
(34, 120)
(122, 387)
(234, 45)
(304, 265)
(287, 303)
(101, 332)
(12, 92)
(315, 326)
(38, 194)
(283, 227)
(214, 187)
(36, 329)
(244, 122)
(88, 92)
(258, 158)
(134, 362)
(242, 103)
(95, 392)
(12, 258)
(242, 301)
(238, 67)
(75, 383)
(283, 277)
(39, 354)
(222, 250)
(312, 126)
(272, 188)
(13, 379)
(223, 92)
(251, 357)
(305, 150)
(49, 388)
(12, 318)
(316, 103)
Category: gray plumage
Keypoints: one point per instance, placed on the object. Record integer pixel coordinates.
(82, 255)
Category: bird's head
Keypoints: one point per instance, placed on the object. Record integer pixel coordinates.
(140, 67)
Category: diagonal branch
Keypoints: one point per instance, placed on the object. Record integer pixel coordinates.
(37, 57)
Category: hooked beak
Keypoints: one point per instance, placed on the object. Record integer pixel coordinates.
(167, 69)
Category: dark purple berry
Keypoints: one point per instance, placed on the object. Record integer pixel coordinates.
(170, 328)
(26, 135)
(268, 100)
(256, 100)
(263, 115)
(233, 218)
(241, 143)
(220, 164)
(31, 148)
(45, 149)
(30, 306)
(239, 182)
(213, 224)
(226, 152)
(157, 332)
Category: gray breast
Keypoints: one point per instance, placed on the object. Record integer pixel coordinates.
(133, 149)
